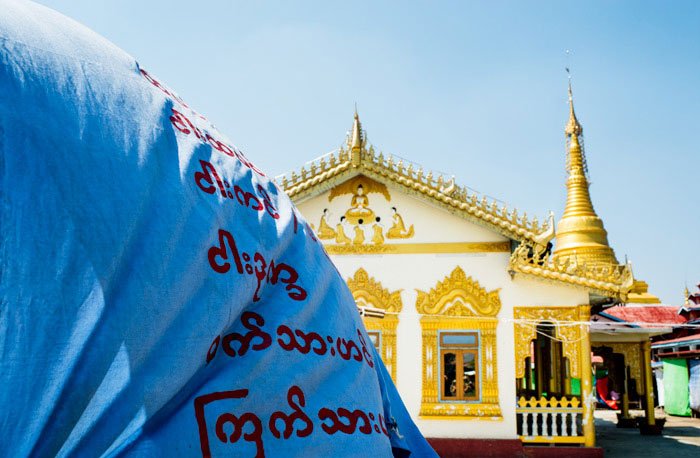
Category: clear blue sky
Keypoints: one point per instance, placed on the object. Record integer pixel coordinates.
(477, 90)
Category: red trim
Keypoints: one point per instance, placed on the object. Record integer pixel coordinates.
(507, 448)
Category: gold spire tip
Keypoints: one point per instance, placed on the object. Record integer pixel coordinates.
(573, 127)
(356, 139)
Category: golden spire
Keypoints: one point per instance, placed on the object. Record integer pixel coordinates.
(580, 235)
(356, 139)
(573, 126)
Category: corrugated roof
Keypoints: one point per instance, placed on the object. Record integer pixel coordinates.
(677, 340)
(666, 314)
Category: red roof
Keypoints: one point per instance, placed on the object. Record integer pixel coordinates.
(665, 314)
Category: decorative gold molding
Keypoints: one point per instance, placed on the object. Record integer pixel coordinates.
(369, 292)
(640, 294)
(420, 248)
(570, 334)
(459, 303)
(372, 292)
(459, 295)
(349, 187)
(387, 328)
(355, 159)
(614, 280)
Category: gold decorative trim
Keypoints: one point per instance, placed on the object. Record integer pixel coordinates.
(369, 292)
(387, 328)
(420, 248)
(372, 292)
(459, 303)
(350, 186)
(614, 280)
(355, 159)
(570, 334)
(640, 294)
(459, 295)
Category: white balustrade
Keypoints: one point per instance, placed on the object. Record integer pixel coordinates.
(550, 420)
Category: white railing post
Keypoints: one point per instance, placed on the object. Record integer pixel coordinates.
(562, 423)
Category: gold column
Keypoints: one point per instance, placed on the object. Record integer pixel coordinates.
(539, 368)
(625, 406)
(587, 379)
(625, 395)
(648, 383)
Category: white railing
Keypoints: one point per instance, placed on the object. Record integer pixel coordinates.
(550, 420)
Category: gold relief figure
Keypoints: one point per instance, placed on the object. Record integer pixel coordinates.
(398, 229)
(325, 231)
(340, 236)
(359, 207)
(359, 233)
(377, 232)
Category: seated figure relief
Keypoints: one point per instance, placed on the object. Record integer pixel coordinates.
(325, 231)
(340, 237)
(377, 232)
(359, 233)
(359, 224)
(359, 208)
(398, 229)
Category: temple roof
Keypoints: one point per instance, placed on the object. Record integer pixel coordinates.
(531, 258)
(357, 158)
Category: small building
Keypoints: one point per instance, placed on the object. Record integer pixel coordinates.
(480, 313)
(621, 340)
(643, 335)
(678, 356)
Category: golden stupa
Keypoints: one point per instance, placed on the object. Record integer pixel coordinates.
(580, 235)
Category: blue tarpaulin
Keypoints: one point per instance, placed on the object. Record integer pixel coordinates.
(160, 295)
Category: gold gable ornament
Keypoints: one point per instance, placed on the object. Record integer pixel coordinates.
(350, 186)
(369, 292)
(461, 291)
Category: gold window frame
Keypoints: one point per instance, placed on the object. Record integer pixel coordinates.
(368, 291)
(459, 304)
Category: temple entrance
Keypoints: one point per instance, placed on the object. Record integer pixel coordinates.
(546, 369)
(615, 386)
(549, 404)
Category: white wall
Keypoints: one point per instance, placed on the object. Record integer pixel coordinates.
(408, 272)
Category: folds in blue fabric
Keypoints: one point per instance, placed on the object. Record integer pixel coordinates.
(160, 295)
